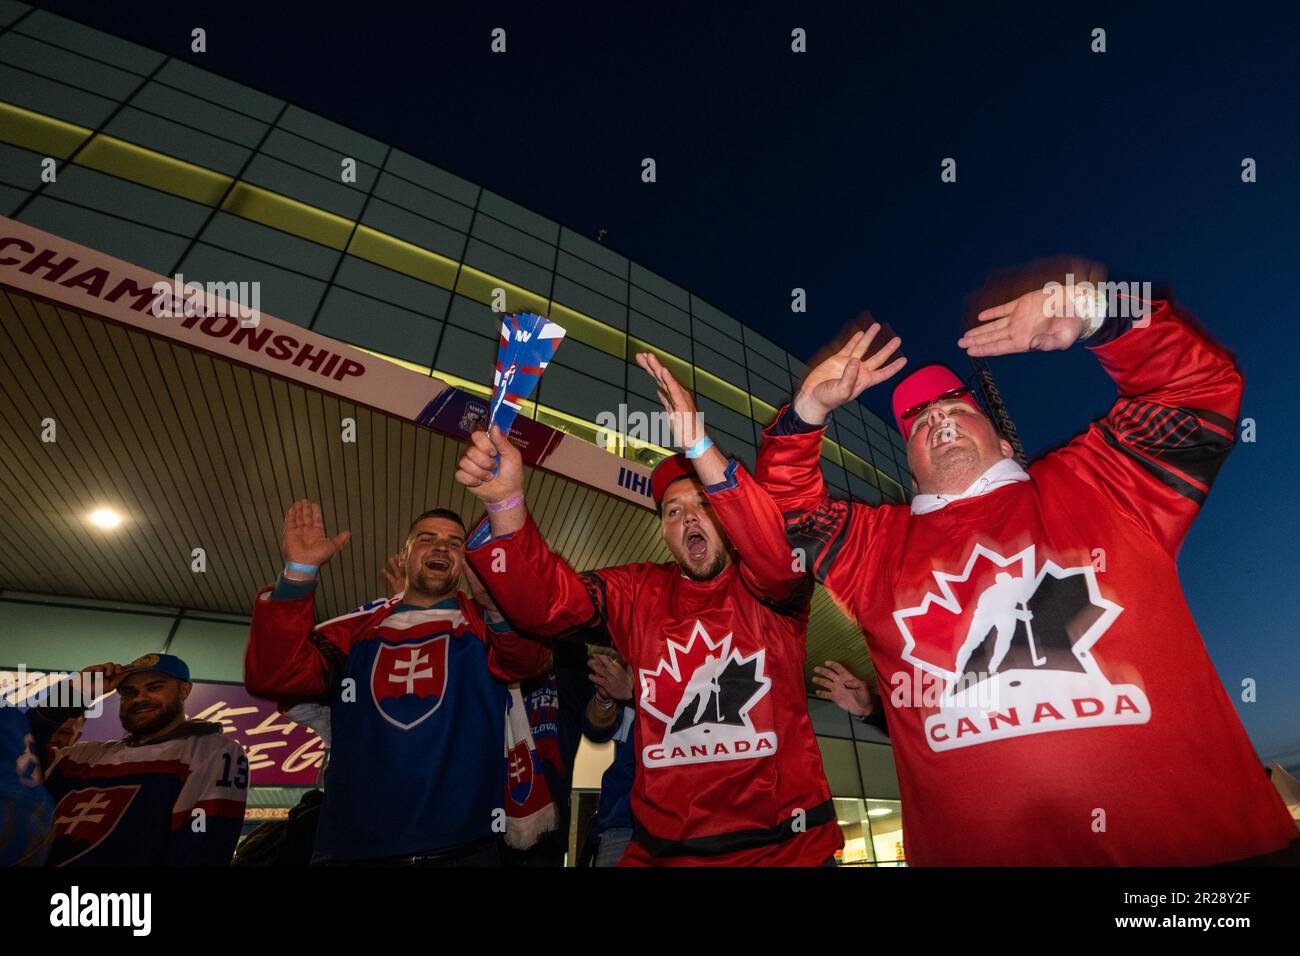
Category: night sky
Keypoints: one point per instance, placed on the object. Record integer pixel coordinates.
(821, 171)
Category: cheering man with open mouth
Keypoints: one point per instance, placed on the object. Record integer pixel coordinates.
(729, 772)
(1050, 700)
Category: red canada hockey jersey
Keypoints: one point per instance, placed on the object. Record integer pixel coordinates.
(1051, 702)
(728, 770)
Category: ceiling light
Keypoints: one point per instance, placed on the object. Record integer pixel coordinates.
(105, 518)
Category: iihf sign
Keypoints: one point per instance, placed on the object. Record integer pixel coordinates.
(1011, 644)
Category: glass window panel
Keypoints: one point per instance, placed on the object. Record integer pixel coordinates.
(659, 310)
(142, 245)
(217, 89)
(594, 252)
(321, 160)
(38, 57)
(199, 113)
(431, 177)
(591, 276)
(514, 241)
(767, 349)
(53, 99)
(584, 300)
(716, 318)
(280, 177)
(395, 287)
(498, 207)
(322, 131)
(285, 295)
(377, 325)
(86, 187)
(674, 295)
(430, 205)
(414, 229)
(90, 42)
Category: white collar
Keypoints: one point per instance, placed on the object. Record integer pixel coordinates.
(1004, 472)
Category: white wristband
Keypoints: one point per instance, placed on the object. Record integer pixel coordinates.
(1091, 308)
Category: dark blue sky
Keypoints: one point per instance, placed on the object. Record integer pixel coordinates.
(821, 171)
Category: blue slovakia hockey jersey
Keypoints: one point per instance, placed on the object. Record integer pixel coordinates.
(417, 717)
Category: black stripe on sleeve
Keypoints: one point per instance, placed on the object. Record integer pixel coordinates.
(820, 534)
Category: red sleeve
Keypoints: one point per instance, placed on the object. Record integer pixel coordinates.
(757, 531)
(1157, 452)
(288, 657)
(833, 538)
(538, 593)
(511, 657)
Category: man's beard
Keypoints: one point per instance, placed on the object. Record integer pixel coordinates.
(141, 725)
(709, 571)
(436, 585)
(956, 464)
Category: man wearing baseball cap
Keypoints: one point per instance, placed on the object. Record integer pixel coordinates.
(729, 772)
(170, 793)
(1050, 700)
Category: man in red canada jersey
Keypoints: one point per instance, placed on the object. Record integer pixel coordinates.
(1050, 700)
(729, 770)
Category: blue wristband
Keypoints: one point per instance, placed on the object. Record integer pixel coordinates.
(700, 447)
(301, 568)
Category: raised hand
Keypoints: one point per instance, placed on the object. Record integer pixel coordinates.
(113, 674)
(845, 375)
(395, 574)
(474, 470)
(687, 422)
(304, 540)
(1034, 322)
(479, 592)
(839, 686)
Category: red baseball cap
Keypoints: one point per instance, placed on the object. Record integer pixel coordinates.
(668, 471)
(924, 386)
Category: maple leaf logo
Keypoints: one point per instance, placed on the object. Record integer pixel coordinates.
(704, 692)
(703, 681)
(1012, 643)
(1002, 613)
(663, 688)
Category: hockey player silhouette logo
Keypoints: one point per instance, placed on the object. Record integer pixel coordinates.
(407, 681)
(1011, 645)
(84, 818)
(712, 701)
(999, 607)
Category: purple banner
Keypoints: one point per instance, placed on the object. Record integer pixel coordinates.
(457, 413)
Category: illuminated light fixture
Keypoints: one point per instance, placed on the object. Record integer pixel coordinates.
(105, 518)
(879, 812)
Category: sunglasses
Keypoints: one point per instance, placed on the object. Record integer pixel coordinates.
(961, 391)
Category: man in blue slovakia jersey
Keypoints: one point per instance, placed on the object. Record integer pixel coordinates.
(417, 694)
